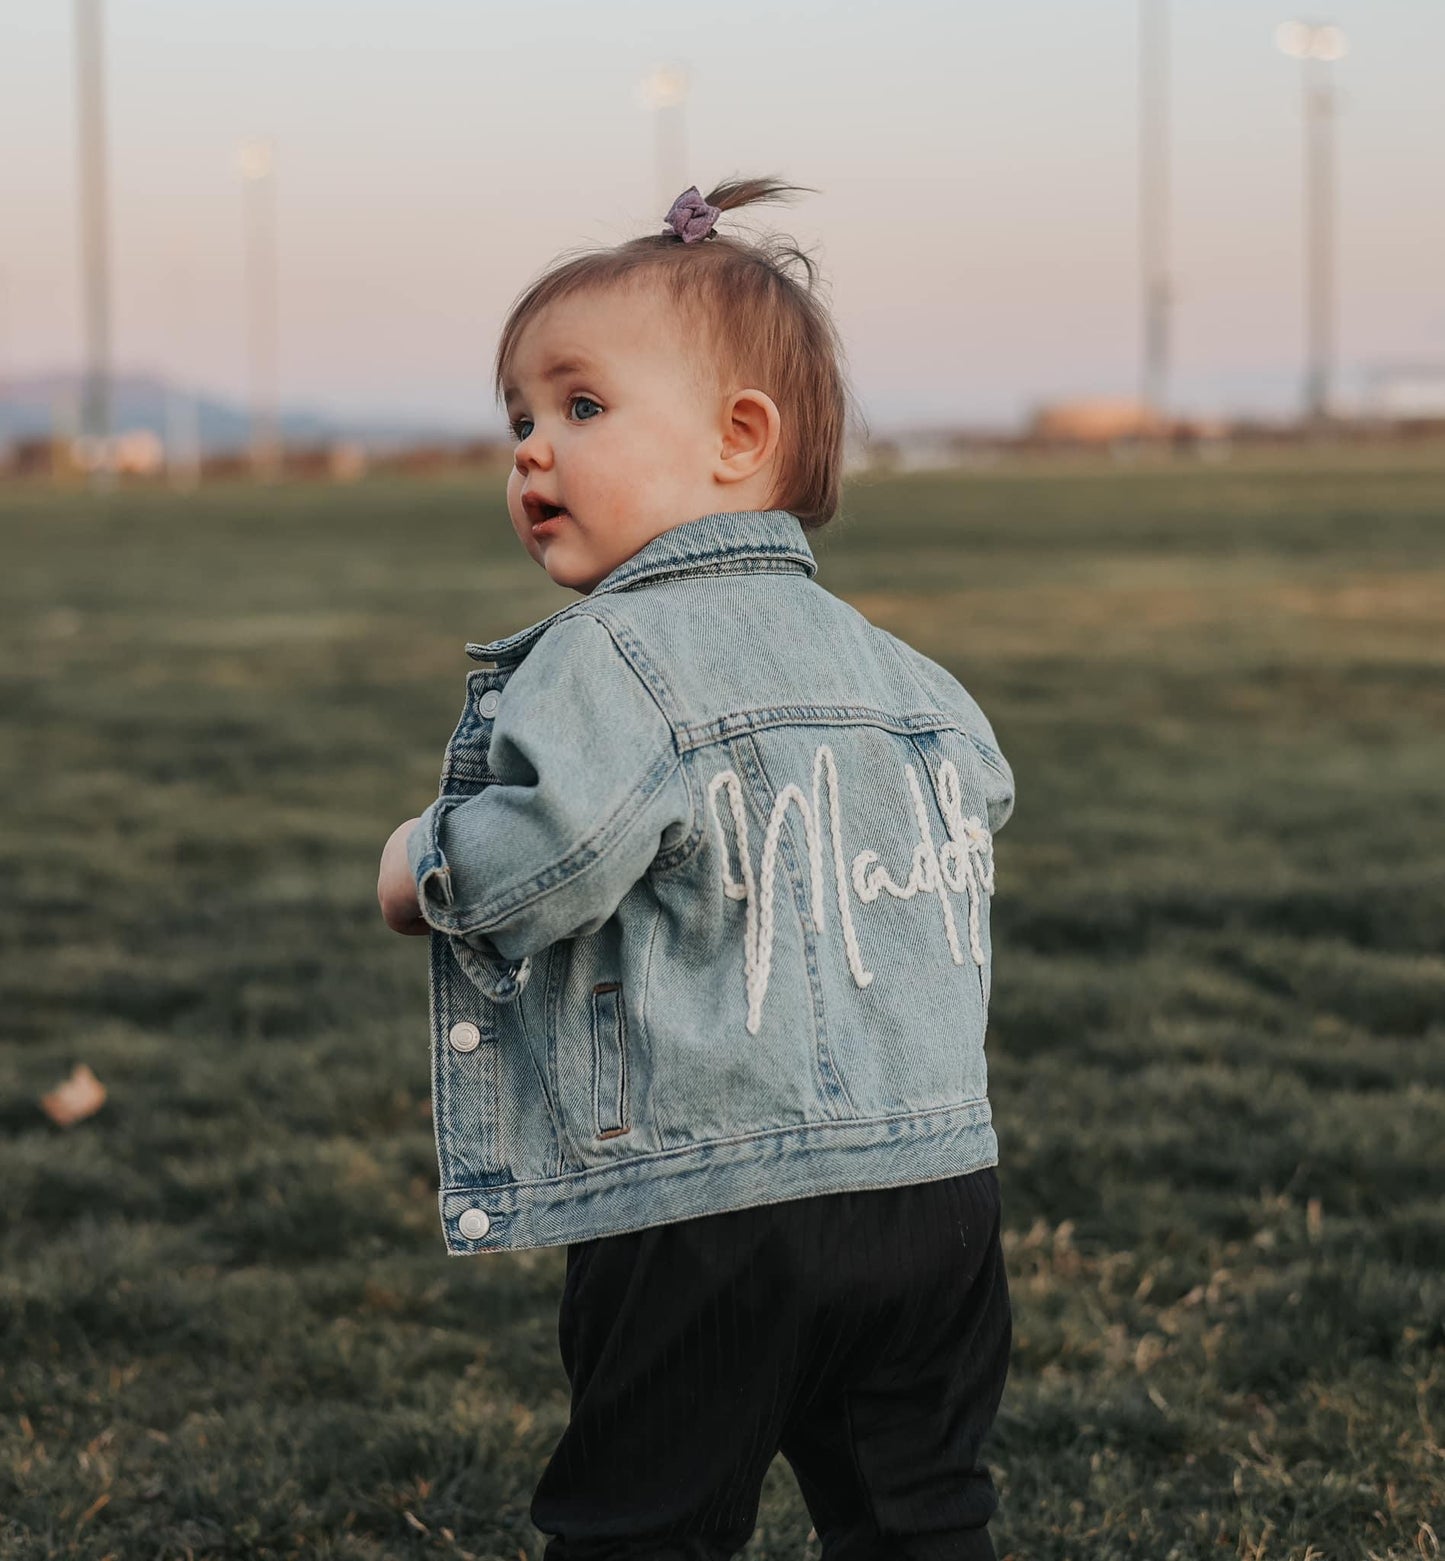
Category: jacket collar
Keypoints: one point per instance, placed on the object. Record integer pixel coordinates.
(734, 542)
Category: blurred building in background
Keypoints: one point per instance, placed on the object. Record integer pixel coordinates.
(1407, 393)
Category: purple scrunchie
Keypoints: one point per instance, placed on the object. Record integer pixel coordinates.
(690, 216)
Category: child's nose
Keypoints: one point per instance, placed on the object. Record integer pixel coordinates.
(533, 451)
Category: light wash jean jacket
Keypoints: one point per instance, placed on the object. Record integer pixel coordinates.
(709, 879)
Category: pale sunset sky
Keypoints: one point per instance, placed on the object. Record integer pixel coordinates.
(977, 163)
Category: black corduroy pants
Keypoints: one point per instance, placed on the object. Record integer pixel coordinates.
(864, 1334)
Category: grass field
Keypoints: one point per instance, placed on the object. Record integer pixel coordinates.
(227, 1324)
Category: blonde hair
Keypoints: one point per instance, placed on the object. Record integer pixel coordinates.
(768, 331)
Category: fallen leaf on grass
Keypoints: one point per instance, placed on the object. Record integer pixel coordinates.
(78, 1097)
(95, 1506)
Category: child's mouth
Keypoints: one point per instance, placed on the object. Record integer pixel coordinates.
(546, 518)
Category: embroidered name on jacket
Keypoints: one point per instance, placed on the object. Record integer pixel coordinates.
(962, 865)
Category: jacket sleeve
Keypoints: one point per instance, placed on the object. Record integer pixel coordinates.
(588, 779)
(940, 684)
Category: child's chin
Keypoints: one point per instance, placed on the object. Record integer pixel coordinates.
(570, 575)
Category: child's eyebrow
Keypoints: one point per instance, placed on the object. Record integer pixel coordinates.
(554, 370)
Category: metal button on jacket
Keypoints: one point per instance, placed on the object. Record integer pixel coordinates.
(465, 1036)
(487, 704)
(474, 1224)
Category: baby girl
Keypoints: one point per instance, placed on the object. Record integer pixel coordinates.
(707, 888)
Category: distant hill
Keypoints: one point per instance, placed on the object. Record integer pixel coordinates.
(30, 408)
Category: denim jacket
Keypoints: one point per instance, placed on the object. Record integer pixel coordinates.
(708, 879)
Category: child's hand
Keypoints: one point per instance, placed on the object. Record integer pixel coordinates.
(395, 886)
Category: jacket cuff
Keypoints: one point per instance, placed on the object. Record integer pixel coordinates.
(430, 868)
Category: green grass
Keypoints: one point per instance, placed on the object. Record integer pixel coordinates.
(227, 1323)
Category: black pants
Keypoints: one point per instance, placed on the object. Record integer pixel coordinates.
(864, 1334)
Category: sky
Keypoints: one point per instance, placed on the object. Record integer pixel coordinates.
(976, 164)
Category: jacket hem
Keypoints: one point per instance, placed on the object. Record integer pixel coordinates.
(714, 1177)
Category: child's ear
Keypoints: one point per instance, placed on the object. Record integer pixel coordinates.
(751, 428)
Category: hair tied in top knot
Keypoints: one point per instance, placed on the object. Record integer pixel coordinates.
(690, 216)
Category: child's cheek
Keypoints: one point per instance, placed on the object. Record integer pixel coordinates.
(616, 498)
(517, 515)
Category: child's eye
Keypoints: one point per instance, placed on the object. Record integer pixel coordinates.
(580, 405)
(521, 428)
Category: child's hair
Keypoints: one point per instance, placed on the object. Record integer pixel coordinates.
(767, 330)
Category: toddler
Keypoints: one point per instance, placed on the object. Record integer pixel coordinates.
(707, 886)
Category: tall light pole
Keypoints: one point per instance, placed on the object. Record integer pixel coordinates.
(1317, 46)
(257, 163)
(665, 93)
(95, 408)
(182, 407)
(1154, 204)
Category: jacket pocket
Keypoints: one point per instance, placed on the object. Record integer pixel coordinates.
(609, 1060)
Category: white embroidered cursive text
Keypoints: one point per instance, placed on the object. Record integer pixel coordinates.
(963, 865)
